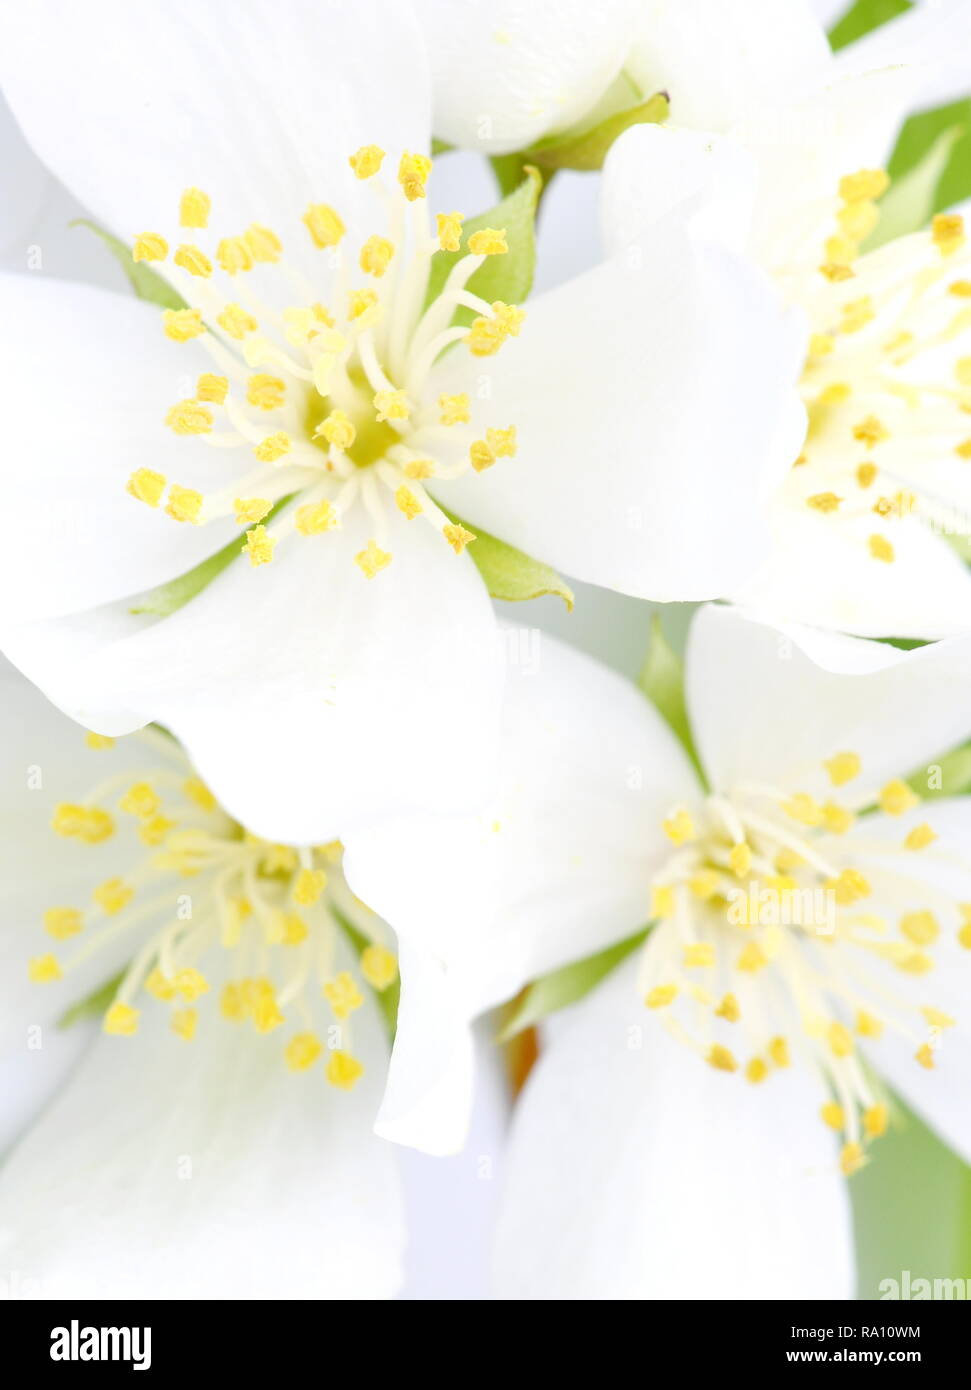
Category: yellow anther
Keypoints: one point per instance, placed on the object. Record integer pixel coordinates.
(838, 270)
(502, 442)
(343, 995)
(454, 410)
(234, 255)
(212, 388)
(337, 429)
(343, 1070)
(376, 254)
(457, 536)
(373, 559)
(150, 247)
(960, 288)
(184, 504)
(193, 260)
(235, 321)
(721, 1058)
(925, 1056)
(294, 929)
(704, 884)
(842, 768)
(787, 860)
(833, 1115)
(273, 447)
(302, 1051)
(184, 1023)
(490, 241)
(740, 859)
(194, 208)
(857, 220)
(259, 546)
(449, 225)
(661, 996)
(913, 962)
(232, 1005)
(698, 954)
(189, 417)
(154, 830)
(160, 986)
(896, 798)
(752, 958)
(920, 837)
(259, 998)
(379, 966)
(147, 486)
(779, 1052)
(756, 1070)
(324, 225)
(729, 1009)
(113, 895)
(865, 474)
(881, 549)
(363, 306)
(121, 1020)
(963, 450)
(367, 161)
(486, 336)
(867, 1026)
(836, 818)
(864, 185)
(848, 887)
(804, 808)
(190, 984)
(407, 502)
(835, 394)
(42, 970)
(947, 232)
(679, 827)
(391, 405)
(481, 455)
(90, 824)
(857, 313)
(824, 502)
(870, 431)
(182, 324)
(314, 518)
(98, 741)
(921, 928)
(821, 344)
(251, 509)
(875, 1119)
(308, 887)
(140, 800)
(197, 792)
(663, 900)
(279, 859)
(937, 1019)
(840, 1039)
(413, 171)
(419, 469)
(266, 392)
(263, 244)
(62, 922)
(852, 1159)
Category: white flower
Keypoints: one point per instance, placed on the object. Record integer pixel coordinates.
(217, 1138)
(812, 935)
(620, 404)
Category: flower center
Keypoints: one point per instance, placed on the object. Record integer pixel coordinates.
(762, 924)
(335, 400)
(269, 920)
(886, 386)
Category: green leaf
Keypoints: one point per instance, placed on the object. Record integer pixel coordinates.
(586, 150)
(509, 573)
(386, 999)
(862, 17)
(910, 203)
(93, 1005)
(662, 681)
(170, 597)
(918, 136)
(508, 277)
(565, 986)
(146, 283)
(947, 775)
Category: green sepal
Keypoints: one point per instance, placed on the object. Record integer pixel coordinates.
(386, 999)
(95, 1004)
(146, 283)
(169, 598)
(586, 150)
(910, 202)
(860, 18)
(570, 983)
(508, 573)
(508, 277)
(952, 771)
(662, 681)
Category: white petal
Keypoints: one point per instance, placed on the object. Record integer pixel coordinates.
(89, 377)
(307, 696)
(27, 182)
(258, 106)
(821, 572)
(171, 1170)
(933, 38)
(763, 711)
(645, 429)
(504, 74)
(635, 1171)
(721, 59)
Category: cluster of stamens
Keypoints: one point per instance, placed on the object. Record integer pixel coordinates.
(334, 401)
(199, 889)
(762, 921)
